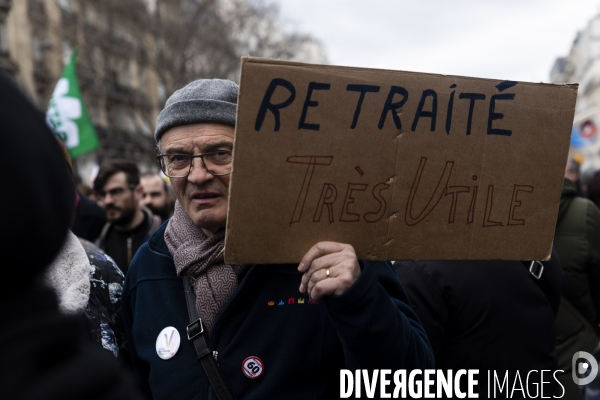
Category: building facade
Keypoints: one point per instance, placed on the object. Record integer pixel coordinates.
(132, 54)
(582, 66)
(36, 40)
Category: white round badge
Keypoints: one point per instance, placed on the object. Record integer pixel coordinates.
(167, 343)
(253, 367)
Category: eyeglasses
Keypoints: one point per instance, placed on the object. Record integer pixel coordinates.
(114, 193)
(217, 163)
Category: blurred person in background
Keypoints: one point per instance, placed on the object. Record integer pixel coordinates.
(489, 315)
(129, 225)
(44, 354)
(156, 195)
(573, 173)
(577, 242)
(593, 189)
(587, 174)
(85, 190)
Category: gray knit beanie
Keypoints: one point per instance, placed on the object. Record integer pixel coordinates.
(204, 100)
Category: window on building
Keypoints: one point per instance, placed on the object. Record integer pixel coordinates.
(102, 20)
(37, 49)
(162, 92)
(89, 13)
(67, 49)
(94, 112)
(65, 4)
(143, 79)
(125, 120)
(152, 6)
(123, 72)
(3, 41)
(142, 124)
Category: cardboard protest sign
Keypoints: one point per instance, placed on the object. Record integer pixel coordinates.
(401, 165)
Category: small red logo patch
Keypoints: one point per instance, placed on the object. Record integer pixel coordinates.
(253, 367)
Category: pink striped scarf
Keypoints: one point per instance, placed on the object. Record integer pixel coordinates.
(201, 258)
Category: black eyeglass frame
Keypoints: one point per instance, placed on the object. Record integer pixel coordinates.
(191, 157)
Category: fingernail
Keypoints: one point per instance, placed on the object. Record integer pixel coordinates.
(300, 267)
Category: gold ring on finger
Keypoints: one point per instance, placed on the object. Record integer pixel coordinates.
(327, 272)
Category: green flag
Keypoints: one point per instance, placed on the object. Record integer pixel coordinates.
(67, 115)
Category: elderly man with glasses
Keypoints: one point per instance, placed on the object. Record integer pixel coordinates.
(129, 225)
(198, 327)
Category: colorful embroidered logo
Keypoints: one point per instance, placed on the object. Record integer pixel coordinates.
(290, 301)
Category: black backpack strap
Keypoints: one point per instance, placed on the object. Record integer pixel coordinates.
(536, 270)
(197, 335)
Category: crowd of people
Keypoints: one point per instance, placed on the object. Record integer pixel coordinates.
(126, 294)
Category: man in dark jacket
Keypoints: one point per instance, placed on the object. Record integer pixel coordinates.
(129, 224)
(577, 241)
(490, 316)
(276, 331)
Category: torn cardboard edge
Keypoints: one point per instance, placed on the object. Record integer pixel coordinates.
(348, 71)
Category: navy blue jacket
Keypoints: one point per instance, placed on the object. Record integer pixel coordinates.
(303, 345)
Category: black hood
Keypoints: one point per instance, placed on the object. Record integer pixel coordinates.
(38, 199)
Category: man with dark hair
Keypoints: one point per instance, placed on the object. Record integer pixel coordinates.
(129, 225)
(156, 195)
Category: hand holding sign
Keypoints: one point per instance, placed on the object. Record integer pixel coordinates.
(329, 268)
